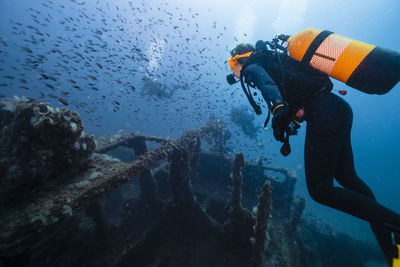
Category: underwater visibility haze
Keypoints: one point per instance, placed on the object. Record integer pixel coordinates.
(150, 71)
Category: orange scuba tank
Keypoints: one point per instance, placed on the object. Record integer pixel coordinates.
(365, 67)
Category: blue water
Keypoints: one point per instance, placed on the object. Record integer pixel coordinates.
(188, 43)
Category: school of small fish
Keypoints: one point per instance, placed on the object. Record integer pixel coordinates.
(95, 57)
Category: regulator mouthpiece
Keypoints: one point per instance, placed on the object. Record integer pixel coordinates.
(231, 79)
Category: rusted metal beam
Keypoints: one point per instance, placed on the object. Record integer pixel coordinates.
(110, 142)
(238, 164)
(148, 187)
(105, 175)
(263, 214)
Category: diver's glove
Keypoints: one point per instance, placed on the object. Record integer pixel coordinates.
(280, 122)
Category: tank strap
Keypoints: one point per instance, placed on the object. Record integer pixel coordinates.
(314, 46)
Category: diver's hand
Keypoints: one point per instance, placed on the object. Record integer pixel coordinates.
(280, 122)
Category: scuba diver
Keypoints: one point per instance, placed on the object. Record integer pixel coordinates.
(154, 88)
(245, 120)
(295, 90)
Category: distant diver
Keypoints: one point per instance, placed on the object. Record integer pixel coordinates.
(152, 87)
(292, 74)
(245, 120)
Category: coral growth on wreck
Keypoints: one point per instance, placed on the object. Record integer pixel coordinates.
(38, 142)
(176, 205)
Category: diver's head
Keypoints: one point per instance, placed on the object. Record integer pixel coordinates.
(239, 56)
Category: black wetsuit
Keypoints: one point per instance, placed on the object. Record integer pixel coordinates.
(328, 155)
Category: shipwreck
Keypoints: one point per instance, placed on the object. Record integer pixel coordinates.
(128, 199)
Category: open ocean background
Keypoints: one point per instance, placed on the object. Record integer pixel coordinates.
(108, 49)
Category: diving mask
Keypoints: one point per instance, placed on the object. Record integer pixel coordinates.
(233, 60)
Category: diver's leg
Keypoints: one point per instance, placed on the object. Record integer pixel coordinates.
(319, 176)
(324, 138)
(327, 154)
(320, 155)
(345, 172)
(348, 178)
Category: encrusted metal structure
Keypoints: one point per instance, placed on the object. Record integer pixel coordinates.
(186, 207)
(104, 174)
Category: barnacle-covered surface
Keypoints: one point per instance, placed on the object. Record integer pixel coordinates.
(175, 205)
(37, 144)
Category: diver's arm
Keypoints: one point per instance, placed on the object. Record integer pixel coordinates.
(256, 74)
